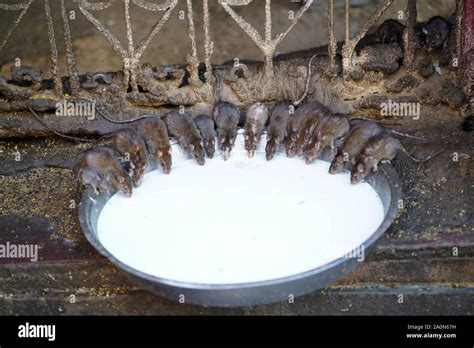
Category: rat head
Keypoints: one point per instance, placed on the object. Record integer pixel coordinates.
(337, 164)
(226, 143)
(251, 140)
(197, 151)
(210, 146)
(301, 142)
(164, 158)
(361, 169)
(436, 35)
(291, 143)
(91, 177)
(315, 148)
(124, 183)
(270, 147)
(138, 174)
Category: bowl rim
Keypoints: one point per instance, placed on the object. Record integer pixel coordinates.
(92, 237)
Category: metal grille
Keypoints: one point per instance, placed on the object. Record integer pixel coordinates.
(131, 52)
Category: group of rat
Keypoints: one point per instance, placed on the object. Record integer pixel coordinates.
(120, 160)
(119, 163)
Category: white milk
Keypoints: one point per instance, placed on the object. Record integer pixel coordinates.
(239, 221)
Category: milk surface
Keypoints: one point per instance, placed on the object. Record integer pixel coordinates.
(239, 221)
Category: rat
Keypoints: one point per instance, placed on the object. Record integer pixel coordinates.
(326, 133)
(353, 144)
(131, 146)
(381, 148)
(276, 129)
(390, 31)
(317, 115)
(102, 163)
(435, 34)
(297, 122)
(206, 127)
(90, 176)
(127, 142)
(182, 126)
(257, 117)
(405, 135)
(226, 117)
(155, 135)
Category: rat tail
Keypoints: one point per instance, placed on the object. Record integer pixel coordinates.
(420, 138)
(424, 159)
(374, 120)
(308, 81)
(107, 118)
(56, 132)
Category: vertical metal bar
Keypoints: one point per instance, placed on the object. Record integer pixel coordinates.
(410, 35)
(70, 60)
(332, 45)
(58, 86)
(468, 49)
(208, 44)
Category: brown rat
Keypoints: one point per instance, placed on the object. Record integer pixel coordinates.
(102, 164)
(131, 146)
(226, 117)
(381, 148)
(276, 129)
(297, 122)
(353, 144)
(206, 127)
(317, 114)
(182, 126)
(89, 176)
(127, 142)
(257, 117)
(390, 31)
(155, 135)
(325, 134)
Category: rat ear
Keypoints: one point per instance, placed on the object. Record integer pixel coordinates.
(424, 31)
(360, 167)
(191, 147)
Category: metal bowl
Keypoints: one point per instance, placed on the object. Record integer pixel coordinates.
(385, 182)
